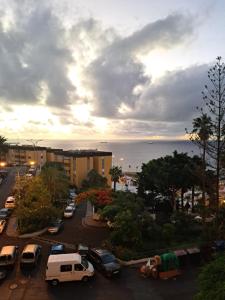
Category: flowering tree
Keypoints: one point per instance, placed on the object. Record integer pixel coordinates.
(99, 198)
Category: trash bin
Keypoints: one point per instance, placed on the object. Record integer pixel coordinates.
(182, 257)
(194, 255)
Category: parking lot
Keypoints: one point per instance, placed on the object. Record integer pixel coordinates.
(31, 285)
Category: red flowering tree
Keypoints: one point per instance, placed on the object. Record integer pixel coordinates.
(99, 198)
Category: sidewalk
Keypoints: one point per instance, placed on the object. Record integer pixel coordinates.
(88, 219)
(11, 229)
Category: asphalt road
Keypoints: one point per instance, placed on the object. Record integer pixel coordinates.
(130, 285)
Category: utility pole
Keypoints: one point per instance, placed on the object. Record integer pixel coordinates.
(35, 143)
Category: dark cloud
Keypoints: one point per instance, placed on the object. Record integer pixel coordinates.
(174, 97)
(33, 52)
(114, 75)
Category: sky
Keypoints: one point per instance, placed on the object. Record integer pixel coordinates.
(105, 69)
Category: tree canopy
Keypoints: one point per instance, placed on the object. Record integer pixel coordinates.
(116, 173)
(94, 180)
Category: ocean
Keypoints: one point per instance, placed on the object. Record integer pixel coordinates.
(130, 155)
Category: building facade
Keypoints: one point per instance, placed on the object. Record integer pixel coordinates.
(77, 163)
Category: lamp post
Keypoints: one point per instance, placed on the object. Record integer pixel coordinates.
(35, 143)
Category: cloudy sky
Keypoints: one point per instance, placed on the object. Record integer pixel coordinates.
(102, 69)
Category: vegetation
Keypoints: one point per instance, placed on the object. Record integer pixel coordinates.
(3, 146)
(135, 233)
(166, 176)
(116, 173)
(94, 181)
(201, 133)
(40, 199)
(210, 129)
(211, 280)
(99, 198)
(56, 182)
(34, 207)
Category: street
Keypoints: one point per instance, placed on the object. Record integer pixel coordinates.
(130, 285)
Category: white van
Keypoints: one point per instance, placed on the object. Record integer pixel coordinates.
(8, 256)
(10, 202)
(68, 267)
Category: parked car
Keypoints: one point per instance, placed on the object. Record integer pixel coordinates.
(104, 261)
(5, 213)
(82, 250)
(2, 225)
(68, 212)
(68, 267)
(72, 204)
(56, 226)
(3, 274)
(10, 202)
(30, 255)
(57, 249)
(8, 256)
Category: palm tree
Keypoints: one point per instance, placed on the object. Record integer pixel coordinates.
(201, 133)
(3, 146)
(116, 173)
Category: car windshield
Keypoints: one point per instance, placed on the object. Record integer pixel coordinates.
(28, 255)
(4, 258)
(69, 209)
(84, 262)
(108, 258)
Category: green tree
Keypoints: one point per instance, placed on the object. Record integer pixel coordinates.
(34, 208)
(94, 180)
(3, 147)
(211, 281)
(166, 176)
(55, 179)
(200, 135)
(214, 97)
(116, 173)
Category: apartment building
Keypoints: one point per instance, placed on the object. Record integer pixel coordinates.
(77, 163)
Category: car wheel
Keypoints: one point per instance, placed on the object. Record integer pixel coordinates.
(54, 282)
(85, 278)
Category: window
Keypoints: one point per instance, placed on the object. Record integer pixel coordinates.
(78, 267)
(88, 163)
(66, 268)
(103, 167)
(103, 163)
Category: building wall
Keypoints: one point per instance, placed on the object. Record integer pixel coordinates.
(76, 168)
(102, 165)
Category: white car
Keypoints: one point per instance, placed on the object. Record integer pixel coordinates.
(72, 204)
(10, 202)
(2, 225)
(68, 212)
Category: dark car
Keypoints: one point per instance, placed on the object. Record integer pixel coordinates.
(57, 249)
(3, 274)
(104, 261)
(5, 213)
(82, 250)
(55, 226)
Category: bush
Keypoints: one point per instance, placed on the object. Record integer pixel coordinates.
(211, 281)
(168, 232)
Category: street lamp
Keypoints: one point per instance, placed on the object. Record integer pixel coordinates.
(34, 143)
(2, 164)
